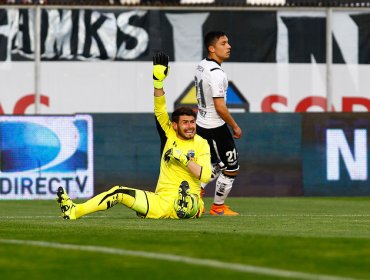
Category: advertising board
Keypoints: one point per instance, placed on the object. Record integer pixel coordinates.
(40, 153)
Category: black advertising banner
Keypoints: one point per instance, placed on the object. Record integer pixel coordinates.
(134, 35)
(252, 35)
(255, 36)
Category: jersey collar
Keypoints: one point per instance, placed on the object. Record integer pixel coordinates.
(211, 59)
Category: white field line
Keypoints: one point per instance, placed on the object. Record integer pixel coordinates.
(180, 259)
(305, 215)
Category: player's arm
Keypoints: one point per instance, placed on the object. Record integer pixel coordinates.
(158, 92)
(195, 169)
(204, 161)
(224, 113)
(200, 170)
(161, 113)
(217, 80)
(160, 72)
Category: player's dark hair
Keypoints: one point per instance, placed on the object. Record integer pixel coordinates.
(211, 37)
(182, 111)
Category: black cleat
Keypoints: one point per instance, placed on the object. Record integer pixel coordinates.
(183, 202)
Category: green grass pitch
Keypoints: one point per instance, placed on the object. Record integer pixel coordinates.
(273, 238)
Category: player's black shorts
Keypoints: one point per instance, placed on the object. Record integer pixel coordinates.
(222, 146)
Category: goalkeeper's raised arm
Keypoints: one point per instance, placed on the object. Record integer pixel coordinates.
(160, 72)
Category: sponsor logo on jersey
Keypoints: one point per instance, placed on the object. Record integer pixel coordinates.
(235, 99)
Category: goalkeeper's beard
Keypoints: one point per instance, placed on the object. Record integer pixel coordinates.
(186, 134)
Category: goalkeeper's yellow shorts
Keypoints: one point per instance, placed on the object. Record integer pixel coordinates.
(163, 207)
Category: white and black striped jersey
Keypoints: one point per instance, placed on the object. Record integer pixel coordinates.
(210, 81)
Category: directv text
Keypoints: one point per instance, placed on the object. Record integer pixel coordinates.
(40, 186)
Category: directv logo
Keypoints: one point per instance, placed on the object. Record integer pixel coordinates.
(40, 153)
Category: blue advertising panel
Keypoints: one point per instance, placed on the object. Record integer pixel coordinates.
(269, 155)
(40, 153)
(336, 154)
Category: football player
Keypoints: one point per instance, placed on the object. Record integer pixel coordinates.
(214, 119)
(185, 163)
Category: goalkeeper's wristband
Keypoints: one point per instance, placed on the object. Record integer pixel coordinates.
(158, 84)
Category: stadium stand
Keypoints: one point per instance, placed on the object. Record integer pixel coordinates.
(211, 3)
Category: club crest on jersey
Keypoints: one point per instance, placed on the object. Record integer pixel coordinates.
(191, 154)
(202, 112)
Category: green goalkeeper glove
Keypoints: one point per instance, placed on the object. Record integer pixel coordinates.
(160, 69)
(178, 155)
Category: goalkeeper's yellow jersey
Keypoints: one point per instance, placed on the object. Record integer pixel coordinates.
(172, 173)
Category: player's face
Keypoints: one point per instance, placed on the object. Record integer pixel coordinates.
(185, 128)
(221, 49)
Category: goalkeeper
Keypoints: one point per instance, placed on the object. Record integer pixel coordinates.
(185, 163)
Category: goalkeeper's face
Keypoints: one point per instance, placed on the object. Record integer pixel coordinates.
(185, 128)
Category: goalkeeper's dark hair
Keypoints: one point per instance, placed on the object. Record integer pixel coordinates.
(183, 111)
(211, 37)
